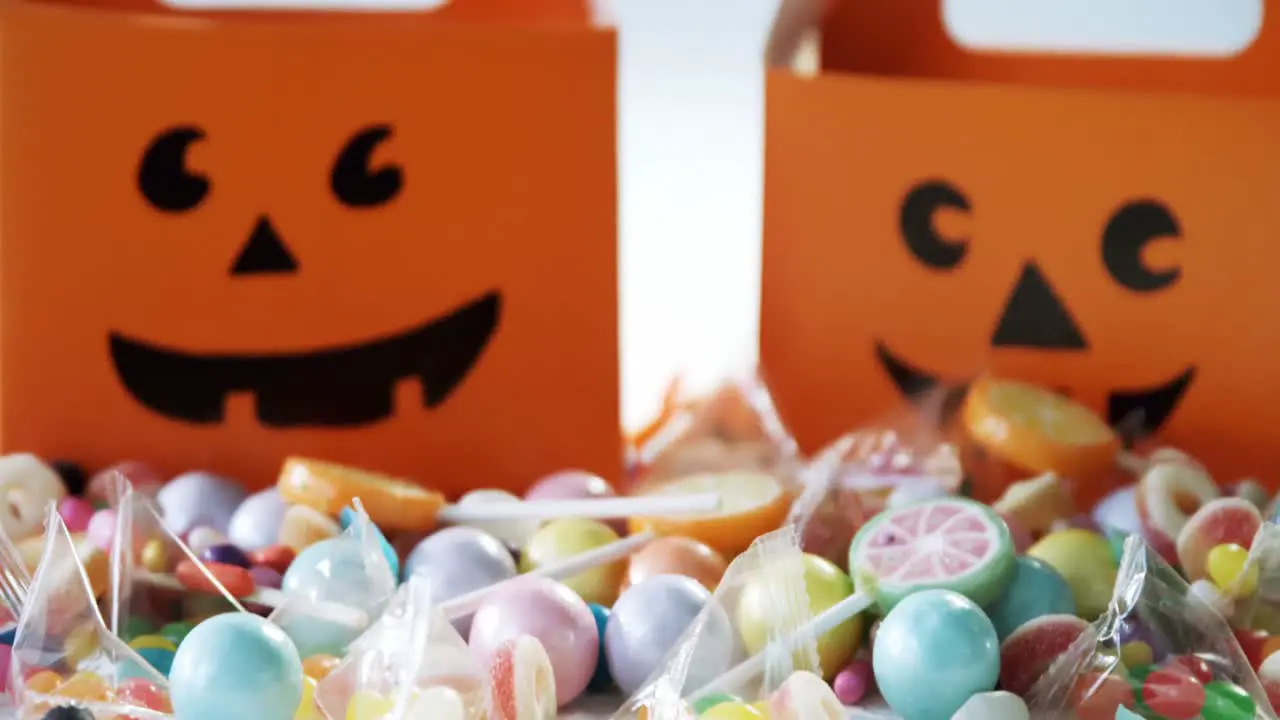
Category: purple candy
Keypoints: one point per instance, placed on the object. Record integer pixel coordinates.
(264, 576)
(199, 498)
(1131, 629)
(227, 555)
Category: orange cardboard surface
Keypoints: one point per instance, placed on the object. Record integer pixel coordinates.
(383, 239)
(1101, 226)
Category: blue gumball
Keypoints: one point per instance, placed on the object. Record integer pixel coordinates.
(934, 651)
(1036, 590)
(601, 680)
(236, 665)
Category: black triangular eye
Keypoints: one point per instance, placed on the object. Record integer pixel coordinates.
(357, 184)
(163, 177)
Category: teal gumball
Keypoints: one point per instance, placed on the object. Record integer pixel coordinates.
(1036, 590)
(236, 665)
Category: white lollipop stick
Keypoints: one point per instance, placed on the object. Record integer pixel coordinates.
(749, 669)
(464, 605)
(592, 508)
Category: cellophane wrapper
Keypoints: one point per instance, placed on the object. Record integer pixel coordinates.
(409, 665)
(64, 654)
(327, 606)
(760, 607)
(1160, 650)
(735, 427)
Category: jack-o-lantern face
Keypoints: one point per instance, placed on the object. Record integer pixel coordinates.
(1035, 317)
(1109, 245)
(380, 240)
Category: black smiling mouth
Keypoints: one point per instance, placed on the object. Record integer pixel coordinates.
(1136, 413)
(337, 387)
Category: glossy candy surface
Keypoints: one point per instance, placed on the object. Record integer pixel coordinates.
(256, 522)
(199, 498)
(1035, 590)
(236, 665)
(560, 540)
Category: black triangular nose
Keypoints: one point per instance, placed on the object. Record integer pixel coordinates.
(265, 252)
(1035, 317)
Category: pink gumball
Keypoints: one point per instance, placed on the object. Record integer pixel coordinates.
(553, 614)
(76, 513)
(574, 485)
(102, 529)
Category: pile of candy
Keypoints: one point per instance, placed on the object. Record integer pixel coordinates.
(732, 579)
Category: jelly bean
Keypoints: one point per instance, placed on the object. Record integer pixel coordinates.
(85, 686)
(1227, 701)
(256, 522)
(1197, 666)
(153, 641)
(303, 526)
(236, 580)
(236, 665)
(155, 556)
(202, 538)
(1098, 696)
(265, 577)
(1173, 694)
(1135, 653)
(1251, 642)
(276, 557)
(851, 684)
(43, 682)
(1230, 570)
(140, 692)
(559, 540)
(227, 554)
(76, 513)
(732, 710)
(176, 632)
(102, 529)
(318, 667)
(710, 701)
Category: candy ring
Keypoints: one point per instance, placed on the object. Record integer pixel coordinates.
(391, 503)
(1168, 493)
(27, 486)
(950, 544)
(1037, 430)
(524, 686)
(752, 504)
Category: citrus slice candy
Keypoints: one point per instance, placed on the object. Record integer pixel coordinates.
(1038, 430)
(392, 504)
(751, 504)
(949, 543)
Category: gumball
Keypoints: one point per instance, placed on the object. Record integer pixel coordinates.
(1084, 561)
(160, 658)
(459, 560)
(560, 540)
(101, 531)
(574, 485)
(339, 571)
(75, 513)
(515, 533)
(203, 537)
(236, 665)
(256, 522)
(1035, 590)
(759, 617)
(651, 617)
(943, 639)
(676, 556)
(551, 613)
(199, 498)
(1230, 570)
(600, 680)
(303, 526)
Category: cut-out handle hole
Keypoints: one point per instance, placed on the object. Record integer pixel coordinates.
(1198, 28)
(349, 5)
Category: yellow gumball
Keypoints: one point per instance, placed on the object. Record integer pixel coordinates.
(307, 709)
(562, 539)
(365, 705)
(153, 641)
(732, 711)
(1084, 560)
(1229, 569)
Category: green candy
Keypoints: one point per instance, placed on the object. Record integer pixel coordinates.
(176, 632)
(1227, 701)
(711, 701)
(137, 626)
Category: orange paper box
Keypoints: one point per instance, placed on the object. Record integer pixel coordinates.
(386, 239)
(1100, 225)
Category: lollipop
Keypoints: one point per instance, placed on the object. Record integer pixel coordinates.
(396, 504)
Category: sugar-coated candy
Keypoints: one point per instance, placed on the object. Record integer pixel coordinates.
(68, 712)
(28, 486)
(76, 513)
(234, 579)
(1031, 649)
(997, 705)
(1220, 521)
(675, 555)
(1169, 491)
(523, 681)
(515, 533)
(236, 665)
(140, 692)
(256, 522)
(84, 685)
(804, 696)
(1084, 561)
(853, 682)
(458, 560)
(940, 635)
(554, 615)
(1035, 590)
(303, 526)
(1230, 570)
(562, 539)
(650, 618)
(227, 554)
(199, 498)
(1172, 694)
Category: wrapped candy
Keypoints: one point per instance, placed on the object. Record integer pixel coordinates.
(752, 642)
(410, 664)
(1160, 650)
(63, 653)
(335, 589)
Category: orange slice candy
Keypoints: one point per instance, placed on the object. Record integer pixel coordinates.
(751, 504)
(392, 503)
(1037, 430)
